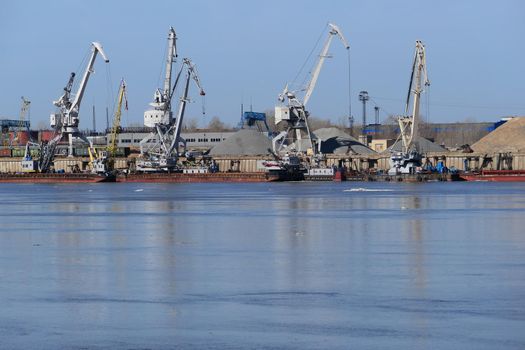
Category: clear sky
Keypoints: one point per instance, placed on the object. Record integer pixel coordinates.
(246, 51)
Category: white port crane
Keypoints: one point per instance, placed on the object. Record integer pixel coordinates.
(159, 150)
(410, 157)
(294, 113)
(67, 119)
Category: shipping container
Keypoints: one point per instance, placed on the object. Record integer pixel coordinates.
(18, 152)
(5, 152)
(46, 135)
(21, 138)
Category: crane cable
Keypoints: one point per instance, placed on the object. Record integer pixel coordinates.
(427, 97)
(110, 95)
(162, 65)
(81, 64)
(350, 117)
(203, 103)
(308, 58)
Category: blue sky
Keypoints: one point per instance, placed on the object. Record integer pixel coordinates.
(246, 51)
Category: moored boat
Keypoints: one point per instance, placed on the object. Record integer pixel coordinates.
(495, 176)
(56, 178)
(178, 177)
(418, 177)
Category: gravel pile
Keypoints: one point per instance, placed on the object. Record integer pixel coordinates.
(244, 142)
(509, 137)
(424, 146)
(336, 141)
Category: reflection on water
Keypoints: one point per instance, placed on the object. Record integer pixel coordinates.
(318, 265)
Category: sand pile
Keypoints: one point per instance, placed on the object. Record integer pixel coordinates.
(244, 142)
(509, 137)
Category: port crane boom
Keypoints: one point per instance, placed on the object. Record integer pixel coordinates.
(67, 118)
(294, 113)
(409, 123)
(410, 158)
(334, 30)
(191, 73)
(116, 120)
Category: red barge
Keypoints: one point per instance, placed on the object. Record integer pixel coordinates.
(175, 177)
(56, 178)
(495, 176)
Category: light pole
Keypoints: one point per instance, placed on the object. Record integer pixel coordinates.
(363, 97)
(351, 124)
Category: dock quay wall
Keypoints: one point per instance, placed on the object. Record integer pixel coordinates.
(13, 165)
(352, 162)
(456, 160)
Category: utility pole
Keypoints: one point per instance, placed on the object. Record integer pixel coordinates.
(363, 97)
(376, 110)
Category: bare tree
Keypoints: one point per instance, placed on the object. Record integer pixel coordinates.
(41, 125)
(216, 124)
(318, 123)
(190, 124)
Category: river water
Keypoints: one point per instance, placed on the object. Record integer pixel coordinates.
(262, 266)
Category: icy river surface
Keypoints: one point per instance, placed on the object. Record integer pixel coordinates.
(262, 266)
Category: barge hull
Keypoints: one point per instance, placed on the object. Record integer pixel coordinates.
(200, 178)
(495, 176)
(432, 177)
(55, 178)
